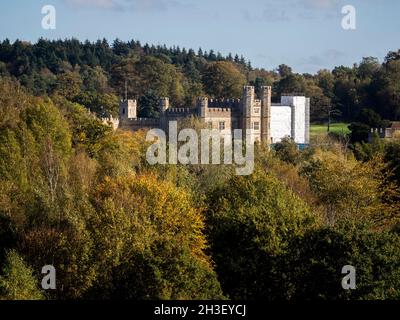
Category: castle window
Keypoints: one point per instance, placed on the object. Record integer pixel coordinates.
(257, 110)
(256, 125)
(222, 125)
(123, 110)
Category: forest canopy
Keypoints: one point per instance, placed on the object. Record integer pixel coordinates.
(80, 196)
(96, 75)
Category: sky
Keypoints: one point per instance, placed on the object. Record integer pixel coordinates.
(304, 34)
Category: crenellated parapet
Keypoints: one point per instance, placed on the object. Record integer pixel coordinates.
(256, 115)
(224, 103)
(182, 111)
(143, 121)
(139, 123)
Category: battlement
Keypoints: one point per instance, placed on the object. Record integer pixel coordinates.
(114, 122)
(270, 122)
(142, 121)
(180, 110)
(220, 110)
(224, 103)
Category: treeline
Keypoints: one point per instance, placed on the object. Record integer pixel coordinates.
(96, 75)
(77, 195)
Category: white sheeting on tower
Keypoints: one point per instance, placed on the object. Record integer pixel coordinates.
(289, 119)
(281, 119)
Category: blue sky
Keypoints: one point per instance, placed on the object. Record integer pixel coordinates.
(305, 34)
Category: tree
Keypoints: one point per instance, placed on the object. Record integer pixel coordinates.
(69, 84)
(124, 75)
(293, 83)
(150, 241)
(149, 74)
(68, 247)
(86, 130)
(347, 189)
(103, 105)
(149, 105)
(386, 90)
(331, 112)
(284, 70)
(346, 94)
(368, 68)
(312, 268)
(392, 56)
(120, 48)
(222, 79)
(160, 77)
(95, 79)
(17, 281)
(287, 151)
(318, 101)
(326, 82)
(250, 220)
(392, 157)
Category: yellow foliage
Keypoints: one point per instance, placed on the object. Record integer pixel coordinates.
(345, 187)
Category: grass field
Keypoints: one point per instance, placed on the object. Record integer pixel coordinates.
(320, 129)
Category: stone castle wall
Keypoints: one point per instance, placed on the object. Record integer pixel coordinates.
(261, 119)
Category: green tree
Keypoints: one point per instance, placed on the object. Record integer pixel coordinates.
(17, 281)
(386, 90)
(312, 268)
(284, 70)
(223, 80)
(69, 84)
(249, 220)
(293, 83)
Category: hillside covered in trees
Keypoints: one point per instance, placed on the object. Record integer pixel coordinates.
(95, 75)
(79, 196)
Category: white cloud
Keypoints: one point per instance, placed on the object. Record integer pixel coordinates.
(322, 60)
(278, 10)
(321, 4)
(92, 3)
(137, 5)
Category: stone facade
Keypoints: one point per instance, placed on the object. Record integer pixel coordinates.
(269, 122)
(393, 132)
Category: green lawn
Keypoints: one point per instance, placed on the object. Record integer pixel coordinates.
(320, 129)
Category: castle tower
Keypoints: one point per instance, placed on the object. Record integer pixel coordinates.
(164, 104)
(202, 107)
(307, 122)
(128, 109)
(299, 117)
(266, 94)
(247, 107)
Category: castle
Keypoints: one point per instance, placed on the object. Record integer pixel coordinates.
(270, 122)
(392, 132)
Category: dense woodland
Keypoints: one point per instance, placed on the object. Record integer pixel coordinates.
(77, 195)
(95, 74)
